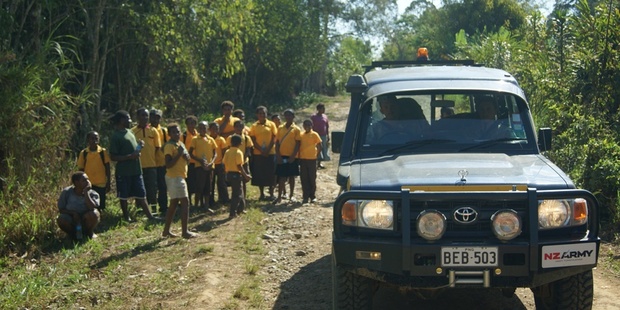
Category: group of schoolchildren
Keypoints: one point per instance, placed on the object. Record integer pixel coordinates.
(165, 167)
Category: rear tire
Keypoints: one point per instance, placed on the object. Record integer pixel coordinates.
(351, 291)
(575, 292)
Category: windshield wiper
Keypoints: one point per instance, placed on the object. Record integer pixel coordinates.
(414, 144)
(488, 143)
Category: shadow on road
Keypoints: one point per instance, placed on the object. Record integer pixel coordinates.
(388, 297)
(310, 288)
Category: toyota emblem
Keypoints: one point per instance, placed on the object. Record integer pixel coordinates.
(465, 215)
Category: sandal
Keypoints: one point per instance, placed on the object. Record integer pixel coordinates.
(190, 235)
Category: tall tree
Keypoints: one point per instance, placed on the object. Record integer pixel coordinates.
(38, 106)
(348, 57)
(435, 28)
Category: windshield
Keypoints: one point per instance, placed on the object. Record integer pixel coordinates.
(453, 122)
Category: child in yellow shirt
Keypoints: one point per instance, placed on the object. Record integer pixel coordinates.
(219, 175)
(155, 117)
(204, 151)
(95, 162)
(189, 134)
(245, 147)
(235, 175)
(287, 151)
(309, 150)
(177, 157)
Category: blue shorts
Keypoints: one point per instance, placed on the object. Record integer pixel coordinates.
(128, 187)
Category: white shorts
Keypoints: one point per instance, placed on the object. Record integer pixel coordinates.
(177, 188)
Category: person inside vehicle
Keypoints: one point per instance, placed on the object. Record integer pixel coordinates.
(447, 112)
(486, 109)
(403, 120)
(490, 127)
(387, 106)
(409, 109)
(412, 118)
(388, 125)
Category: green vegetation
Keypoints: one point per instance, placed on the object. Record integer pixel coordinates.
(130, 265)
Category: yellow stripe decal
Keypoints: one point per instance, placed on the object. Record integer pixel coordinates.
(466, 188)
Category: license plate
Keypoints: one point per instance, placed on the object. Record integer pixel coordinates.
(469, 256)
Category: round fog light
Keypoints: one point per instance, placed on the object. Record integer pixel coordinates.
(506, 224)
(431, 225)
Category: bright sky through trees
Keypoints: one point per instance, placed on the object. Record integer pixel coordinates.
(547, 5)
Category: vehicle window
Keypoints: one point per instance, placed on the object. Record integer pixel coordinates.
(398, 119)
(458, 118)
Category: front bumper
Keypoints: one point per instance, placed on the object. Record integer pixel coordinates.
(407, 260)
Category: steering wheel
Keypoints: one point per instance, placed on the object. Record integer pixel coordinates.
(498, 130)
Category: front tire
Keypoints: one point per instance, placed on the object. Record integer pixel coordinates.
(575, 292)
(350, 291)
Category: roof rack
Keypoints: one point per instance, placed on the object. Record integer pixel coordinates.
(407, 63)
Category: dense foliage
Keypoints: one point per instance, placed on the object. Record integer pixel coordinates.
(569, 66)
(66, 65)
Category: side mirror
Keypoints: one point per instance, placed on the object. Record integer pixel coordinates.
(544, 139)
(337, 137)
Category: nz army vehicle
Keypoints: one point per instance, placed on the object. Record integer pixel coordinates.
(445, 187)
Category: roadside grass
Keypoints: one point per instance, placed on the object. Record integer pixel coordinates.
(130, 266)
(608, 255)
(253, 252)
(28, 224)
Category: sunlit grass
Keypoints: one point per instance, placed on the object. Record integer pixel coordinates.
(250, 239)
(204, 249)
(129, 262)
(231, 305)
(249, 291)
(251, 268)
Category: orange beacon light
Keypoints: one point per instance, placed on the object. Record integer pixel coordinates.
(422, 53)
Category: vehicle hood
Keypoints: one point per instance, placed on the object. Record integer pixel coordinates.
(393, 172)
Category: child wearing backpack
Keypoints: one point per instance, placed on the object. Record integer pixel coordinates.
(95, 162)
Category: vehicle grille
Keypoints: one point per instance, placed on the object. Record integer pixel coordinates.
(468, 232)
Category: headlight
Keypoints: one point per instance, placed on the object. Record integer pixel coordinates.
(506, 224)
(562, 213)
(377, 214)
(431, 225)
(552, 213)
